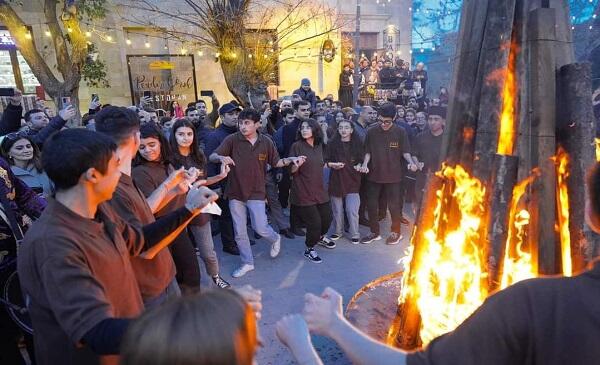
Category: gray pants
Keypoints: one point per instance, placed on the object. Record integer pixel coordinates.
(352, 205)
(258, 219)
(204, 242)
(277, 216)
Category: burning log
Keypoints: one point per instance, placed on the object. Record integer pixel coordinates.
(404, 332)
(504, 179)
(575, 132)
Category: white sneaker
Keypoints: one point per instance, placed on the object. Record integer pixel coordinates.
(275, 247)
(242, 270)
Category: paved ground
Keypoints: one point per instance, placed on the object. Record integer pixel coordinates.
(286, 279)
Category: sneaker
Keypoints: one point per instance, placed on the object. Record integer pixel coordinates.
(311, 254)
(326, 242)
(394, 238)
(232, 250)
(370, 238)
(220, 282)
(355, 241)
(275, 247)
(242, 270)
(287, 233)
(298, 232)
(335, 237)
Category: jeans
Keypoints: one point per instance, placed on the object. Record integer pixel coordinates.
(277, 216)
(258, 219)
(171, 291)
(392, 193)
(317, 219)
(352, 206)
(202, 236)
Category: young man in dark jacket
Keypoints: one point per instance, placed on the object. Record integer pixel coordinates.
(306, 93)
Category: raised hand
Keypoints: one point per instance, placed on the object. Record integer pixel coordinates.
(320, 312)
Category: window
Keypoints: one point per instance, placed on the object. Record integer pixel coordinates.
(14, 70)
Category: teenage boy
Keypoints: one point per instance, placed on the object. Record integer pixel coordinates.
(248, 153)
(229, 117)
(156, 277)
(74, 264)
(386, 147)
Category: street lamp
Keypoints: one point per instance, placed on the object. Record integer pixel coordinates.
(357, 75)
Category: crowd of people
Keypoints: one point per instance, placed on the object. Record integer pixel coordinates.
(107, 222)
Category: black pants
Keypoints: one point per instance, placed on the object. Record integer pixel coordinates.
(284, 188)
(317, 219)
(186, 263)
(392, 193)
(226, 223)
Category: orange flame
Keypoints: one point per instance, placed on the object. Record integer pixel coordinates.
(506, 138)
(518, 264)
(450, 280)
(562, 202)
(597, 143)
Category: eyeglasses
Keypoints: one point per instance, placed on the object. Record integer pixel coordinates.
(16, 135)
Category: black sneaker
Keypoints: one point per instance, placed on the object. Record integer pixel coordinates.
(335, 237)
(370, 238)
(220, 282)
(232, 250)
(394, 238)
(311, 254)
(298, 232)
(326, 242)
(355, 241)
(287, 233)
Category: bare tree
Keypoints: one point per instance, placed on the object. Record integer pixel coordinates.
(68, 40)
(250, 37)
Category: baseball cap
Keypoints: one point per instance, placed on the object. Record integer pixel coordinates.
(228, 108)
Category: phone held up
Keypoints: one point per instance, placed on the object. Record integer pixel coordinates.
(7, 91)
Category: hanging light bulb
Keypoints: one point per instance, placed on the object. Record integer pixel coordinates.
(28, 35)
(200, 53)
(108, 38)
(48, 34)
(147, 44)
(250, 55)
(217, 54)
(128, 41)
(88, 34)
(69, 29)
(234, 55)
(183, 50)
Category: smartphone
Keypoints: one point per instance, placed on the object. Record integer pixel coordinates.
(66, 101)
(7, 91)
(208, 93)
(95, 97)
(147, 94)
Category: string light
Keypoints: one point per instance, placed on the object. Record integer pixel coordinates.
(200, 53)
(28, 35)
(128, 41)
(69, 29)
(147, 45)
(88, 34)
(108, 38)
(48, 34)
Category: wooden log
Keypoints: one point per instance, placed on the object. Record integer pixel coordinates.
(461, 121)
(504, 179)
(542, 147)
(404, 332)
(575, 132)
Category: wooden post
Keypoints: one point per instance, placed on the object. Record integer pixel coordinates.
(541, 39)
(504, 179)
(575, 132)
(404, 333)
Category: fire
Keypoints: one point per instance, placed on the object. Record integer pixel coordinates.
(597, 143)
(450, 280)
(506, 139)
(562, 202)
(518, 264)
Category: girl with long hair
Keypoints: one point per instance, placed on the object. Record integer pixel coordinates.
(151, 167)
(24, 158)
(345, 154)
(310, 201)
(187, 154)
